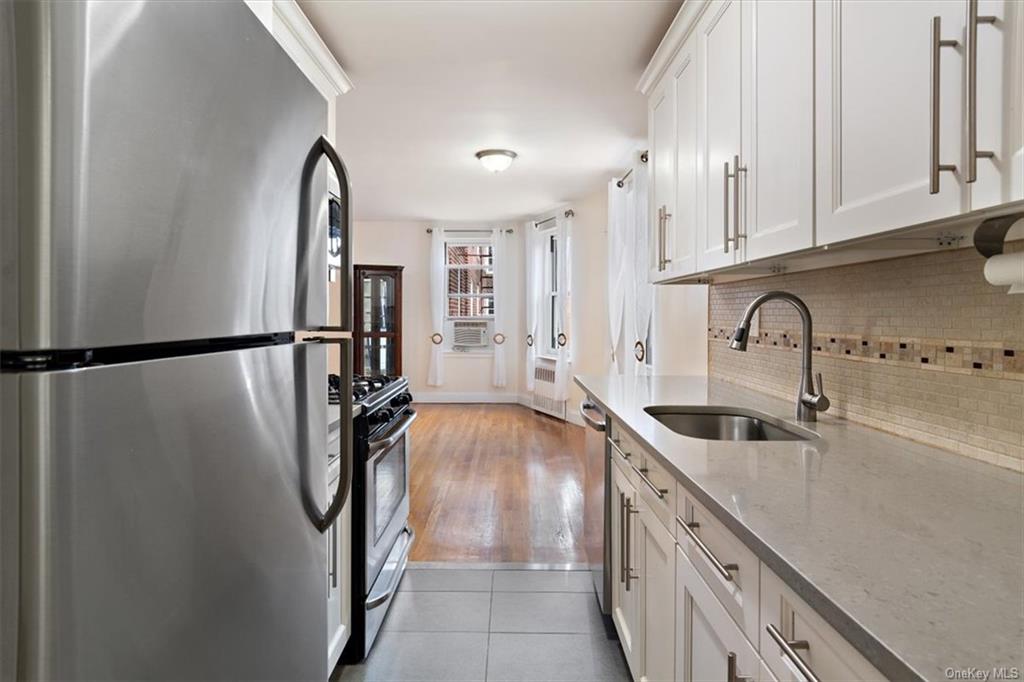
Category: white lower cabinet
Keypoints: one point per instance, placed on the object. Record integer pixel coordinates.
(625, 591)
(656, 549)
(692, 603)
(709, 644)
(796, 643)
(338, 579)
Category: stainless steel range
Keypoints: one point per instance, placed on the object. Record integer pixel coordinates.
(382, 537)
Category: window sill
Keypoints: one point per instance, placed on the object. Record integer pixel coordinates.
(470, 354)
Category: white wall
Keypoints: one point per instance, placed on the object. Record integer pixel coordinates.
(591, 350)
(467, 377)
(679, 318)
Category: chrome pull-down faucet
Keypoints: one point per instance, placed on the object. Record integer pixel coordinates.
(809, 401)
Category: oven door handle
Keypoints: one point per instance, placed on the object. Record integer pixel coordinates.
(382, 598)
(395, 435)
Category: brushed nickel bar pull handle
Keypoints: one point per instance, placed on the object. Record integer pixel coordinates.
(731, 673)
(934, 166)
(725, 207)
(642, 473)
(665, 215)
(627, 544)
(788, 648)
(622, 537)
(724, 570)
(971, 173)
(623, 455)
(737, 169)
(659, 239)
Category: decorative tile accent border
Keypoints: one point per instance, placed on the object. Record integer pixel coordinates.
(963, 357)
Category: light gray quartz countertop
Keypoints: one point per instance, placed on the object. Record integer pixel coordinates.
(334, 415)
(914, 554)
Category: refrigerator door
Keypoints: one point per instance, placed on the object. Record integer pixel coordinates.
(164, 528)
(159, 166)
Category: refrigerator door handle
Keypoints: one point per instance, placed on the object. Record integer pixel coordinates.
(302, 263)
(325, 520)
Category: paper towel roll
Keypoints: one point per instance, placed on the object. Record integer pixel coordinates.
(1006, 269)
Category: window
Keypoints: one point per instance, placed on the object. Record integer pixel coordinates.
(551, 296)
(470, 269)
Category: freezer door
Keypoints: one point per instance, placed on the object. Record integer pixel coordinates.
(159, 161)
(164, 519)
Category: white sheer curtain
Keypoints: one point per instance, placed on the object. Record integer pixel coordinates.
(533, 249)
(438, 299)
(564, 321)
(617, 267)
(500, 242)
(643, 290)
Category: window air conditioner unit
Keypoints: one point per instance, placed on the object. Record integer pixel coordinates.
(469, 335)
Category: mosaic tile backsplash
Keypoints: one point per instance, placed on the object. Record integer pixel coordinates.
(920, 346)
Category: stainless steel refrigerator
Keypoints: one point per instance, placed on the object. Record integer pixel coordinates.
(163, 241)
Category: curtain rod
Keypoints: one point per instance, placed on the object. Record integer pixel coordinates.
(430, 230)
(622, 180)
(568, 214)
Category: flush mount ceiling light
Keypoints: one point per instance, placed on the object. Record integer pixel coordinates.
(496, 160)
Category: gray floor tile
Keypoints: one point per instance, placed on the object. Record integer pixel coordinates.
(545, 612)
(439, 612)
(422, 657)
(543, 581)
(555, 658)
(446, 580)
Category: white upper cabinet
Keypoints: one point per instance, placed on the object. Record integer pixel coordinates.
(878, 116)
(805, 124)
(720, 63)
(778, 140)
(998, 115)
(661, 120)
(674, 227)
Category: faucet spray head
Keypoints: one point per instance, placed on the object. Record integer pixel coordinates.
(739, 337)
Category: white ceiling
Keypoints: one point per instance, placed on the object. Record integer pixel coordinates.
(435, 81)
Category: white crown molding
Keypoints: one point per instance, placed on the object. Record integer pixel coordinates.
(295, 20)
(295, 33)
(681, 27)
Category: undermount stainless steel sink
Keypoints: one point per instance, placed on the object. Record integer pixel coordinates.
(726, 423)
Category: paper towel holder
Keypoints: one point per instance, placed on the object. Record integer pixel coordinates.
(990, 235)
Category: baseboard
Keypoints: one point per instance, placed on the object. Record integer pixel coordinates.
(572, 416)
(439, 397)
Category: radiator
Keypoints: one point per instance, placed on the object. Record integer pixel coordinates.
(544, 390)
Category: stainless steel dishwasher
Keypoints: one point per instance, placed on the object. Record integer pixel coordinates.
(596, 520)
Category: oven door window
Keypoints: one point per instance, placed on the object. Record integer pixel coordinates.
(388, 486)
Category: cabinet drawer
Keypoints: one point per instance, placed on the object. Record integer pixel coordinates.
(726, 564)
(657, 487)
(624, 452)
(819, 647)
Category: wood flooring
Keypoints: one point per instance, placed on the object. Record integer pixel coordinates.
(495, 483)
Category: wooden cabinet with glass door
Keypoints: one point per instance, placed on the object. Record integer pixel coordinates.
(378, 316)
